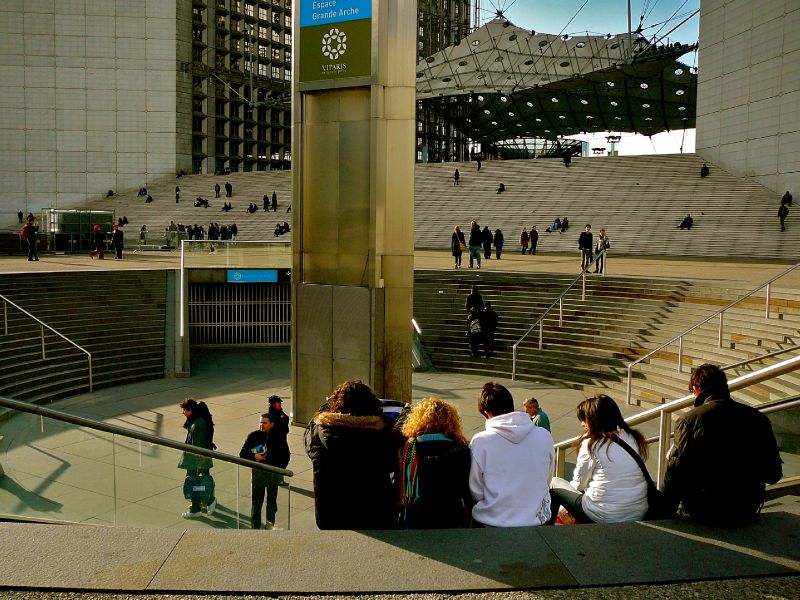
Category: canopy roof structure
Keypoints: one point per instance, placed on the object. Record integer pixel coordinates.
(526, 84)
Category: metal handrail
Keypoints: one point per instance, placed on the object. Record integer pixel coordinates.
(560, 302)
(44, 325)
(719, 313)
(59, 415)
(664, 412)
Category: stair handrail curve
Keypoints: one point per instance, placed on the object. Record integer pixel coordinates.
(560, 302)
(43, 326)
(719, 313)
(663, 412)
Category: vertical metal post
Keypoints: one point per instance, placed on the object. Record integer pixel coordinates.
(561, 312)
(183, 286)
(513, 362)
(140, 453)
(541, 329)
(561, 460)
(664, 443)
(91, 375)
(720, 329)
(5, 316)
(630, 384)
(289, 507)
(769, 294)
(605, 257)
(41, 327)
(238, 513)
(680, 354)
(583, 286)
(114, 474)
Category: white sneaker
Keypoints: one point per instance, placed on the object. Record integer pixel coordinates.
(191, 515)
(268, 525)
(211, 507)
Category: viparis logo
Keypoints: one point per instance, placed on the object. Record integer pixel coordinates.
(334, 44)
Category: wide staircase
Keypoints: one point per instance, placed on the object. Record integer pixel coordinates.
(118, 318)
(621, 319)
(640, 200)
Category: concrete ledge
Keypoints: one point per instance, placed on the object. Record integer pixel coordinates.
(141, 560)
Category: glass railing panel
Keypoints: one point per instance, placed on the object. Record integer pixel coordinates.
(786, 427)
(237, 255)
(281, 518)
(56, 471)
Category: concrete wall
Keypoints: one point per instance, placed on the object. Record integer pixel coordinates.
(748, 105)
(87, 99)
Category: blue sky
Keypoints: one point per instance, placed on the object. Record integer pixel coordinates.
(597, 16)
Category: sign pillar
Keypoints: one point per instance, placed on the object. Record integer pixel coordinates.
(353, 197)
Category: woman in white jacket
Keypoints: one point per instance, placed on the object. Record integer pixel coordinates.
(607, 485)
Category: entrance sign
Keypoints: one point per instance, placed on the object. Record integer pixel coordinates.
(335, 39)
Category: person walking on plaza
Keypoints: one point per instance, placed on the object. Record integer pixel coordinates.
(499, 239)
(523, 240)
(177, 194)
(474, 332)
(535, 412)
(704, 171)
(600, 249)
(199, 432)
(533, 237)
(216, 190)
(99, 243)
(29, 233)
(228, 189)
(724, 453)
(274, 201)
(457, 245)
(512, 463)
(783, 212)
(785, 199)
(456, 177)
(21, 217)
(266, 445)
(489, 320)
(117, 239)
(474, 244)
(487, 238)
(474, 300)
(585, 246)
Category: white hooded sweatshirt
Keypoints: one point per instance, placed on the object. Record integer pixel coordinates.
(512, 464)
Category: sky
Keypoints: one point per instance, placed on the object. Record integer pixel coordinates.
(611, 16)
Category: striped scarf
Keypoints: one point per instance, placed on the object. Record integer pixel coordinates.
(409, 484)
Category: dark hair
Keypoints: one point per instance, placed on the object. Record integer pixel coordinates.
(271, 417)
(603, 418)
(495, 399)
(709, 377)
(199, 410)
(353, 397)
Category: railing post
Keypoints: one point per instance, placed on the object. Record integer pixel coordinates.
(561, 460)
(513, 362)
(605, 258)
(680, 354)
(91, 377)
(541, 329)
(769, 293)
(583, 286)
(560, 312)
(41, 327)
(630, 384)
(720, 329)
(5, 316)
(664, 443)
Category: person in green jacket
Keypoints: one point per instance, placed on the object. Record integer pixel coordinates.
(537, 415)
(199, 432)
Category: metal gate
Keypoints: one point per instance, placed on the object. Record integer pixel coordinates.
(224, 314)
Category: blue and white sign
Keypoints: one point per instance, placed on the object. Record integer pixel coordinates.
(326, 12)
(252, 275)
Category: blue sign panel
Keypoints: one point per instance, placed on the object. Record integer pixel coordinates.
(326, 12)
(252, 275)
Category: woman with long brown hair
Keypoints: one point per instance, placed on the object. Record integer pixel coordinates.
(607, 485)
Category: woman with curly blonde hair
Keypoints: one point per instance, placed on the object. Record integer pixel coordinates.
(434, 468)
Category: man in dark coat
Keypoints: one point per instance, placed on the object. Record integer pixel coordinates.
(117, 239)
(489, 325)
(585, 246)
(29, 233)
(228, 189)
(274, 201)
(724, 454)
(783, 212)
(487, 238)
(266, 445)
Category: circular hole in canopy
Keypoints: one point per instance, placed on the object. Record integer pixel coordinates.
(543, 43)
(679, 92)
(580, 45)
(644, 86)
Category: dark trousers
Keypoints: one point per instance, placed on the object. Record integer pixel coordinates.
(487, 250)
(32, 253)
(533, 246)
(263, 483)
(563, 494)
(498, 250)
(118, 250)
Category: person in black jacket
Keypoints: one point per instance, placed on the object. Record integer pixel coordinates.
(499, 239)
(489, 326)
(585, 246)
(99, 243)
(456, 243)
(724, 454)
(474, 300)
(434, 468)
(117, 239)
(266, 445)
(354, 456)
(487, 238)
(475, 241)
(199, 432)
(29, 233)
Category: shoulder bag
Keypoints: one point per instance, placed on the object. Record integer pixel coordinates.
(658, 506)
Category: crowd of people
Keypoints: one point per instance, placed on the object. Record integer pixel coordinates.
(373, 471)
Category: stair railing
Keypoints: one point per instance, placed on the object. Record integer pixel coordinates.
(664, 413)
(719, 314)
(557, 302)
(42, 327)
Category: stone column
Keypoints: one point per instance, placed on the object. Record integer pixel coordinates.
(353, 198)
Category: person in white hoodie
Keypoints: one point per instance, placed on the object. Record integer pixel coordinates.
(512, 463)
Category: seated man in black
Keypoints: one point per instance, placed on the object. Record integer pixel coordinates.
(686, 223)
(704, 170)
(724, 454)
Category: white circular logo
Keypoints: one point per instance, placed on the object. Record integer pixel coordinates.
(334, 44)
